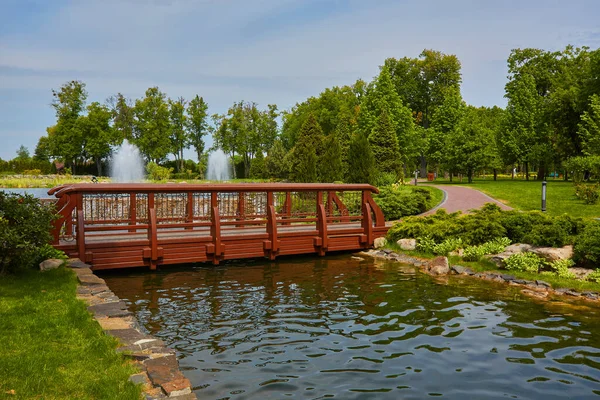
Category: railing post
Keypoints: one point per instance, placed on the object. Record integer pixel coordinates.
(189, 210)
(152, 233)
(80, 228)
(215, 230)
(241, 209)
(271, 246)
(288, 207)
(132, 211)
(322, 228)
(367, 219)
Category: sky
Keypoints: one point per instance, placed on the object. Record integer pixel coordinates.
(268, 51)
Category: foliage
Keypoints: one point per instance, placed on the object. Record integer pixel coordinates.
(560, 268)
(361, 162)
(594, 276)
(24, 229)
(589, 127)
(474, 253)
(425, 244)
(583, 167)
(330, 164)
(275, 166)
(152, 125)
(47, 251)
(257, 166)
(590, 194)
(586, 249)
(196, 124)
(447, 246)
(158, 173)
(528, 262)
(305, 154)
(400, 201)
(384, 145)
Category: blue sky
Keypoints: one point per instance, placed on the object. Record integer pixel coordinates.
(268, 51)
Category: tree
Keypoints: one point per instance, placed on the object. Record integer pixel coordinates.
(384, 145)
(330, 164)
(97, 133)
(197, 125)
(589, 128)
(343, 137)
(22, 154)
(68, 103)
(275, 166)
(152, 126)
(123, 117)
(42, 150)
(305, 154)
(361, 162)
(382, 96)
(257, 167)
(177, 133)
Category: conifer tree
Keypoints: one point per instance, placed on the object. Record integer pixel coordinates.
(275, 166)
(330, 164)
(342, 132)
(384, 144)
(257, 166)
(361, 163)
(306, 152)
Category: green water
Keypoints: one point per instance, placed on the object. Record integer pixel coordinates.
(336, 327)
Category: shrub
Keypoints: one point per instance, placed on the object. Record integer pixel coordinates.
(447, 246)
(32, 172)
(594, 276)
(474, 253)
(46, 251)
(528, 262)
(425, 244)
(560, 268)
(438, 227)
(386, 179)
(400, 201)
(586, 249)
(590, 194)
(157, 172)
(25, 226)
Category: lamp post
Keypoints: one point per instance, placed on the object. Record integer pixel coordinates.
(544, 196)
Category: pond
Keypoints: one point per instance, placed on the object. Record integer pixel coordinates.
(344, 328)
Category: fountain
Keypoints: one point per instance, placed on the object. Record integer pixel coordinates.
(127, 165)
(218, 166)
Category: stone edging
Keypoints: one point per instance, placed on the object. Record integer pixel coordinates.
(160, 374)
(538, 288)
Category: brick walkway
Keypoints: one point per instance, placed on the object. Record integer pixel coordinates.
(460, 198)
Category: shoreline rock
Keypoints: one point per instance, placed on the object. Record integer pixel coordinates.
(538, 289)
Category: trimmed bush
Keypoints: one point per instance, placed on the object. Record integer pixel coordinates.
(560, 268)
(586, 249)
(447, 246)
(400, 201)
(25, 226)
(158, 173)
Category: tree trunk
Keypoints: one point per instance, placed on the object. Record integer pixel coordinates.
(470, 176)
(99, 166)
(541, 173)
(566, 177)
(495, 174)
(181, 158)
(451, 176)
(526, 170)
(423, 169)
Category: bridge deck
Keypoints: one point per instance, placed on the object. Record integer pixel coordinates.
(119, 226)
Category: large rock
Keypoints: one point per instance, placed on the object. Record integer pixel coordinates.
(553, 254)
(439, 266)
(379, 242)
(581, 273)
(407, 244)
(51, 263)
(517, 248)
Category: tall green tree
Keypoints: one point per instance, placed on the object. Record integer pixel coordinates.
(275, 166)
(98, 135)
(361, 168)
(67, 141)
(306, 153)
(123, 117)
(384, 144)
(152, 125)
(343, 136)
(330, 163)
(22, 154)
(257, 167)
(589, 128)
(197, 124)
(177, 132)
(448, 116)
(42, 149)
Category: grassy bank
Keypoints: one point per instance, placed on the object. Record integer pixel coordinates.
(526, 195)
(51, 347)
(436, 196)
(488, 266)
(43, 181)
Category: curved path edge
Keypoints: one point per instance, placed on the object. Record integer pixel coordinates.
(464, 199)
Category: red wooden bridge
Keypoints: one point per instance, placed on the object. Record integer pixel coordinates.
(133, 225)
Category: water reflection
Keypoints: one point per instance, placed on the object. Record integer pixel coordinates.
(349, 329)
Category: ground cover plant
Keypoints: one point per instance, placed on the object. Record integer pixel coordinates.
(51, 346)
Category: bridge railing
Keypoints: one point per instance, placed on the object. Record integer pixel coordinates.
(146, 211)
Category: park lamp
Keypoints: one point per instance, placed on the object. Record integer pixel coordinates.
(544, 185)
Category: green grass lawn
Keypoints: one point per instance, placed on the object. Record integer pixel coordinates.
(436, 196)
(51, 348)
(526, 195)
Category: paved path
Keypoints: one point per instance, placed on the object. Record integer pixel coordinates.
(460, 198)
